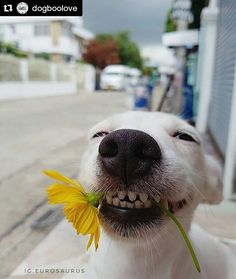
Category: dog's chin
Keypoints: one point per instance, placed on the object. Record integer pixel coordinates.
(134, 215)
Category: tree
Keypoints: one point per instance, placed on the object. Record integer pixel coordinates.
(129, 52)
(170, 24)
(101, 53)
(196, 9)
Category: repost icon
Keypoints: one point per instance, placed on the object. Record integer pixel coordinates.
(8, 8)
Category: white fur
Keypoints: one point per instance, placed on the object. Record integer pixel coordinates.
(161, 253)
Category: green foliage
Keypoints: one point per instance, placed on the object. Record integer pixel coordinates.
(170, 24)
(129, 52)
(102, 37)
(11, 49)
(42, 55)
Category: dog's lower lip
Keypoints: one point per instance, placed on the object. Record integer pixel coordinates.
(130, 215)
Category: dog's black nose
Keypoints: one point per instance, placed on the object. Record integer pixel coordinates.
(129, 154)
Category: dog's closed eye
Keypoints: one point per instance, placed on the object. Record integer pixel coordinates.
(185, 137)
(100, 134)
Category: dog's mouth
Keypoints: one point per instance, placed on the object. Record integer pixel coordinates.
(129, 209)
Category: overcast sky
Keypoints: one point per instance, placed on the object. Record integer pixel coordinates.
(144, 19)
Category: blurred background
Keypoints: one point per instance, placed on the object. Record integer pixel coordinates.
(61, 75)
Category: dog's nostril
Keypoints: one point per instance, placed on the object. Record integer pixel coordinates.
(149, 152)
(110, 149)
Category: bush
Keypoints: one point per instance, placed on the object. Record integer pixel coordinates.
(11, 49)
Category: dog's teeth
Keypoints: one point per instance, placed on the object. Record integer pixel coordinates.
(130, 205)
(157, 198)
(132, 196)
(109, 199)
(143, 197)
(109, 194)
(122, 194)
(116, 201)
(138, 204)
(148, 204)
(123, 203)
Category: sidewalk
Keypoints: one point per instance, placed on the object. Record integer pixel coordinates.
(61, 249)
(219, 220)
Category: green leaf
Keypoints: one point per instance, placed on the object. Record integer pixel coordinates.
(184, 235)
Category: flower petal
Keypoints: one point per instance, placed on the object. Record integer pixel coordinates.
(92, 227)
(80, 208)
(73, 213)
(85, 221)
(81, 213)
(90, 241)
(62, 194)
(97, 234)
(89, 225)
(57, 176)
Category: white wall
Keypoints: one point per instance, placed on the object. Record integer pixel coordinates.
(66, 45)
(230, 158)
(207, 50)
(35, 78)
(89, 78)
(10, 90)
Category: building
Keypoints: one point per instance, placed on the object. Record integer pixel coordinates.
(217, 84)
(213, 72)
(62, 38)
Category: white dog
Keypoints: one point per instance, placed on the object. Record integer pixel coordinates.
(136, 159)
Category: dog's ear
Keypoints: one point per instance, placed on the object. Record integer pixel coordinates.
(213, 186)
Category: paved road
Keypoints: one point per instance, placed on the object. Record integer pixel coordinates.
(36, 134)
(31, 128)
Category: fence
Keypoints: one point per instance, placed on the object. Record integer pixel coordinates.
(22, 78)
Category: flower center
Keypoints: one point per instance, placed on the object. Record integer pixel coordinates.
(93, 198)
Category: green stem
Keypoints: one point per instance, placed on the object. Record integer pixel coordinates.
(184, 235)
(93, 198)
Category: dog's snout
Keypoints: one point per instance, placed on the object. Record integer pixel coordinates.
(129, 154)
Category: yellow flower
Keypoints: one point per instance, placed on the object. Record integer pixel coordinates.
(80, 208)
